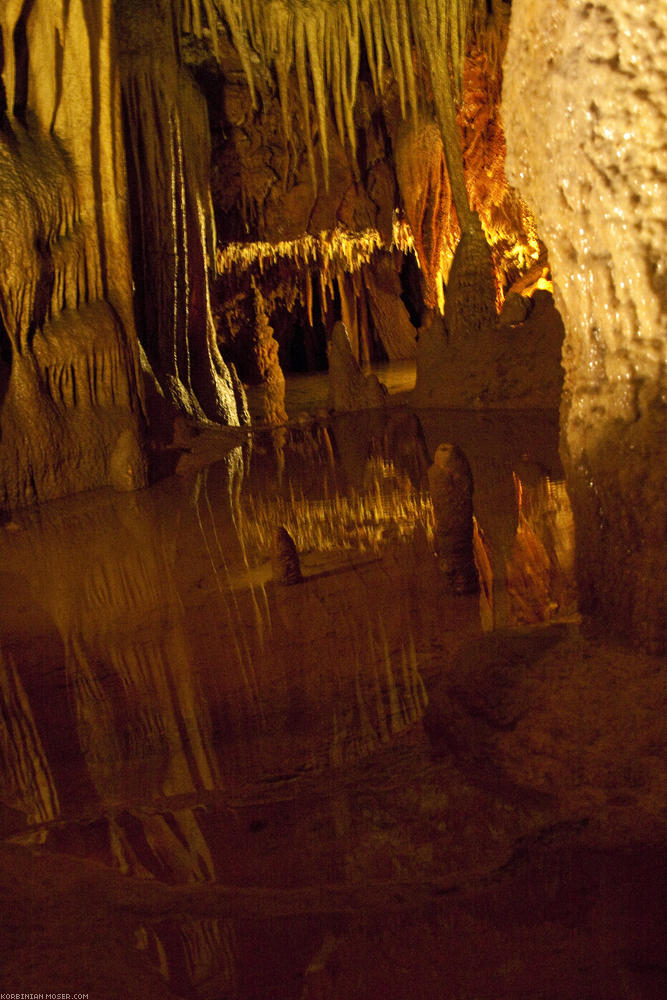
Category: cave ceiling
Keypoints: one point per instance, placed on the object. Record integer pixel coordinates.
(347, 135)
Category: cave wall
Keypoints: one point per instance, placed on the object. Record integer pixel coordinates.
(69, 389)
(587, 152)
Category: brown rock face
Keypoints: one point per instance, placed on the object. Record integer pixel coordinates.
(471, 294)
(172, 228)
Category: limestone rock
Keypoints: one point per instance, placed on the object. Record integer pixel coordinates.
(349, 387)
(471, 293)
(69, 373)
(128, 468)
(591, 164)
(390, 317)
(515, 309)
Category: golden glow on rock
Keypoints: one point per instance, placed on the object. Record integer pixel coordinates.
(337, 249)
(340, 251)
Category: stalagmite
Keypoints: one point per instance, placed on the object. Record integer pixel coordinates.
(349, 388)
(171, 219)
(470, 304)
(268, 372)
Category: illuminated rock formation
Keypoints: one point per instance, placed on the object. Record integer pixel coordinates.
(68, 353)
(331, 128)
(349, 387)
(171, 223)
(590, 160)
(427, 126)
(268, 372)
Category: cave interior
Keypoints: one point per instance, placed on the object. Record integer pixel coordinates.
(332, 499)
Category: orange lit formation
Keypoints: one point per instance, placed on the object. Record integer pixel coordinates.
(313, 53)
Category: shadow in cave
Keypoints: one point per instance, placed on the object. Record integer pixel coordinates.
(302, 345)
(485, 692)
(5, 373)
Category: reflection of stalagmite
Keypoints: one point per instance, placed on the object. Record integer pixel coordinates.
(169, 847)
(451, 484)
(404, 444)
(243, 650)
(193, 953)
(26, 781)
(540, 578)
(285, 558)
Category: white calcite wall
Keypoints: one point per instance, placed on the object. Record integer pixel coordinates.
(585, 115)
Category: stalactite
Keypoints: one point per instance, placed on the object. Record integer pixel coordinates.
(235, 13)
(332, 250)
(509, 227)
(441, 32)
(314, 34)
(350, 49)
(302, 78)
(426, 194)
(283, 33)
(280, 44)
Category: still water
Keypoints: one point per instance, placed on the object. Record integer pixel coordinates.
(168, 710)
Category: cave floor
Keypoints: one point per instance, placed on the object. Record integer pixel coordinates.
(216, 786)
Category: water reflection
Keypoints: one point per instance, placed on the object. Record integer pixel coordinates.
(195, 956)
(154, 680)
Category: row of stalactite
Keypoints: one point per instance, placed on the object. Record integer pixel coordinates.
(323, 44)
